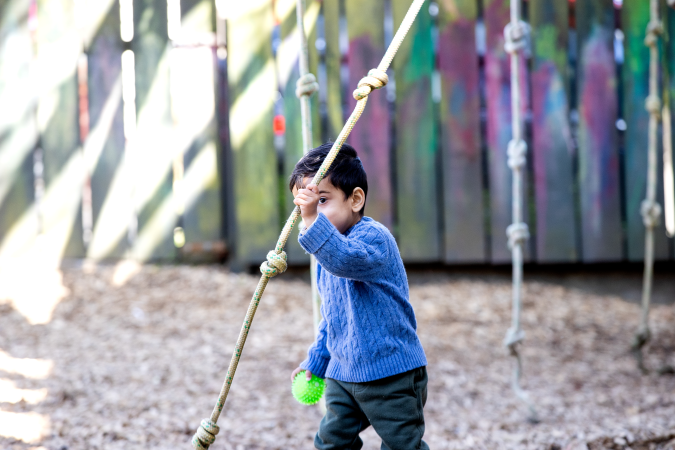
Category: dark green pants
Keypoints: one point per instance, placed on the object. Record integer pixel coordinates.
(392, 405)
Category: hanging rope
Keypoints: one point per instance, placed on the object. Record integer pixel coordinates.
(650, 209)
(516, 36)
(276, 259)
(304, 88)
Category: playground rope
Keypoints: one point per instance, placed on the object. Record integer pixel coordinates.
(305, 87)
(650, 209)
(516, 36)
(276, 259)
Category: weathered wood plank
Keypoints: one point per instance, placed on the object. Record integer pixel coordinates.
(252, 84)
(333, 58)
(498, 105)
(417, 203)
(597, 138)
(105, 144)
(552, 147)
(154, 146)
(670, 60)
(289, 71)
(370, 138)
(59, 48)
(18, 219)
(464, 231)
(634, 18)
(193, 109)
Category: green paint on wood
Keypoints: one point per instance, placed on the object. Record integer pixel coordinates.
(464, 231)
(58, 51)
(416, 156)
(252, 93)
(597, 136)
(289, 72)
(193, 104)
(552, 151)
(371, 136)
(331, 13)
(635, 17)
(154, 144)
(110, 190)
(18, 220)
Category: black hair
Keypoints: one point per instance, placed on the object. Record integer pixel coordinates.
(346, 173)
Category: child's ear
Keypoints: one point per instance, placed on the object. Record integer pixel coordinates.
(358, 199)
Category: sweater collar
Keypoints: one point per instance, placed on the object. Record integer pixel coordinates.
(356, 225)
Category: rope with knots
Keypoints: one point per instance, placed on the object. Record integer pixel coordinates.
(516, 37)
(304, 88)
(276, 259)
(650, 209)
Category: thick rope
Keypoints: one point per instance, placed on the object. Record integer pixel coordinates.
(516, 37)
(205, 435)
(650, 209)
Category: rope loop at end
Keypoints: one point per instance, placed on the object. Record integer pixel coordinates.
(512, 338)
(651, 212)
(306, 85)
(205, 435)
(276, 264)
(376, 79)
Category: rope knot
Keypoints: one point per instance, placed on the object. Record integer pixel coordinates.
(306, 85)
(516, 153)
(513, 337)
(276, 264)
(653, 105)
(205, 435)
(517, 37)
(654, 30)
(518, 234)
(650, 211)
(376, 79)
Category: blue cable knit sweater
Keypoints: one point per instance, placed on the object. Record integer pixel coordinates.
(368, 329)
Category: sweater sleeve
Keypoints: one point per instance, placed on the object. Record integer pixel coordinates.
(317, 355)
(359, 257)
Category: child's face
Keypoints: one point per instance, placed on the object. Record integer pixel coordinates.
(342, 212)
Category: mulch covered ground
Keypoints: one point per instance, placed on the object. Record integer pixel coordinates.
(135, 360)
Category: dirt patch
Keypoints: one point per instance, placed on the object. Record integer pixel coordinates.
(136, 361)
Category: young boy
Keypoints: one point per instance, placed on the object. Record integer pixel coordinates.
(367, 347)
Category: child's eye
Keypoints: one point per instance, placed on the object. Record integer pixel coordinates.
(322, 200)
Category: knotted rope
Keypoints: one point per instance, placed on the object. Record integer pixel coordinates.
(205, 435)
(650, 209)
(306, 86)
(517, 41)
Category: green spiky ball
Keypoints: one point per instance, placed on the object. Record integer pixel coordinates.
(308, 392)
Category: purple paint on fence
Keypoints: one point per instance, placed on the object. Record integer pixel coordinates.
(370, 137)
(552, 153)
(460, 113)
(599, 164)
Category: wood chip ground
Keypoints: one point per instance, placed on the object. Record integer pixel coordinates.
(137, 363)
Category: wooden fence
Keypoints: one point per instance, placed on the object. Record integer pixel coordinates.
(155, 129)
